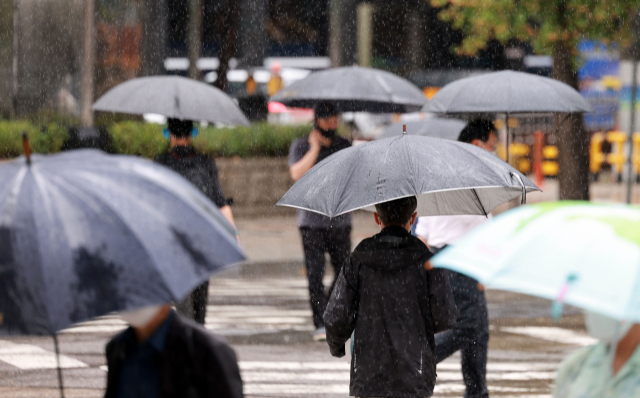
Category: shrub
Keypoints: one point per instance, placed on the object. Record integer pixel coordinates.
(132, 137)
(45, 138)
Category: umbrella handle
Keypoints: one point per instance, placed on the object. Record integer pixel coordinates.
(523, 201)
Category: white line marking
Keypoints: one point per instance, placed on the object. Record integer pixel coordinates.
(25, 356)
(557, 335)
(504, 366)
(284, 365)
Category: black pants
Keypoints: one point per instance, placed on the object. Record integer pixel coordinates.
(195, 305)
(470, 335)
(315, 242)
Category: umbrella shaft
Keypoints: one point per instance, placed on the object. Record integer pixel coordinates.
(57, 349)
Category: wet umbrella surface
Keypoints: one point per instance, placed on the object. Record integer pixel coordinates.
(354, 89)
(436, 127)
(507, 92)
(449, 178)
(591, 251)
(84, 233)
(174, 97)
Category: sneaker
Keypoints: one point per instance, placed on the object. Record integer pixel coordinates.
(320, 334)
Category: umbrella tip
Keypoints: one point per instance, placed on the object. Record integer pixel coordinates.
(404, 129)
(26, 146)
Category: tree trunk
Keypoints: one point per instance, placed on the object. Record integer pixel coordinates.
(228, 50)
(194, 39)
(573, 140)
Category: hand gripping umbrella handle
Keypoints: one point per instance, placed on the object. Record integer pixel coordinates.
(523, 201)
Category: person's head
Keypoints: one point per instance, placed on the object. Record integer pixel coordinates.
(146, 320)
(326, 119)
(481, 133)
(401, 212)
(180, 131)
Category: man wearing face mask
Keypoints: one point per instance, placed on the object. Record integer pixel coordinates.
(163, 355)
(320, 234)
(588, 372)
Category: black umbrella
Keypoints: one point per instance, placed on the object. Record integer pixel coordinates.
(83, 234)
(354, 89)
(448, 177)
(173, 97)
(436, 127)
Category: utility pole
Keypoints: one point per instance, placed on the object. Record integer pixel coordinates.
(86, 113)
(194, 37)
(335, 33)
(632, 122)
(16, 55)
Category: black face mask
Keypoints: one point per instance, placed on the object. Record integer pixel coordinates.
(326, 133)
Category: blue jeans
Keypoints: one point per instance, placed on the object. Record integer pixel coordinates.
(470, 335)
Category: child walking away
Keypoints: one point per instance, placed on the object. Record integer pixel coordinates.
(395, 307)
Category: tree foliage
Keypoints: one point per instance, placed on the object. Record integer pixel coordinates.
(543, 23)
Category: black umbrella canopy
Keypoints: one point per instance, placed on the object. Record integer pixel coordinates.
(448, 177)
(354, 89)
(83, 234)
(506, 92)
(436, 127)
(173, 97)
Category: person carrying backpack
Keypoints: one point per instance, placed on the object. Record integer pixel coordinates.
(395, 306)
(202, 172)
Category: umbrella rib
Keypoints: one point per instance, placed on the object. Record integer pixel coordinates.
(475, 193)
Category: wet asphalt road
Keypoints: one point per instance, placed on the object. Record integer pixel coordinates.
(268, 321)
(262, 309)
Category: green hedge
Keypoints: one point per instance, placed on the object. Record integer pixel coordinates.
(144, 139)
(44, 138)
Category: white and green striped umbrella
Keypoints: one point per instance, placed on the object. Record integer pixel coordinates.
(579, 253)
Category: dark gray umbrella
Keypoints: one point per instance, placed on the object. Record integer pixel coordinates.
(84, 233)
(173, 97)
(436, 127)
(449, 178)
(507, 92)
(354, 89)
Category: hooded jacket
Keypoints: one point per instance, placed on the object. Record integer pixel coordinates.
(395, 307)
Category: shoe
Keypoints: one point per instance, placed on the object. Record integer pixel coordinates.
(320, 334)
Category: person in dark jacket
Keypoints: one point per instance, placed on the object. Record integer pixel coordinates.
(202, 172)
(164, 355)
(320, 234)
(394, 305)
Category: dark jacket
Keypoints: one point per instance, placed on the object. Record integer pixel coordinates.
(198, 168)
(395, 307)
(195, 363)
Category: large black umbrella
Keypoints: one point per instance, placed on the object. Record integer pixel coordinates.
(83, 234)
(354, 89)
(448, 177)
(173, 97)
(436, 127)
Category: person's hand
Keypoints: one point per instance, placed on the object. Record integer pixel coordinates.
(481, 287)
(315, 140)
(428, 266)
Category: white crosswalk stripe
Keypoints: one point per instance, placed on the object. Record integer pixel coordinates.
(287, 378)
(27, 357)
(316, 378)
